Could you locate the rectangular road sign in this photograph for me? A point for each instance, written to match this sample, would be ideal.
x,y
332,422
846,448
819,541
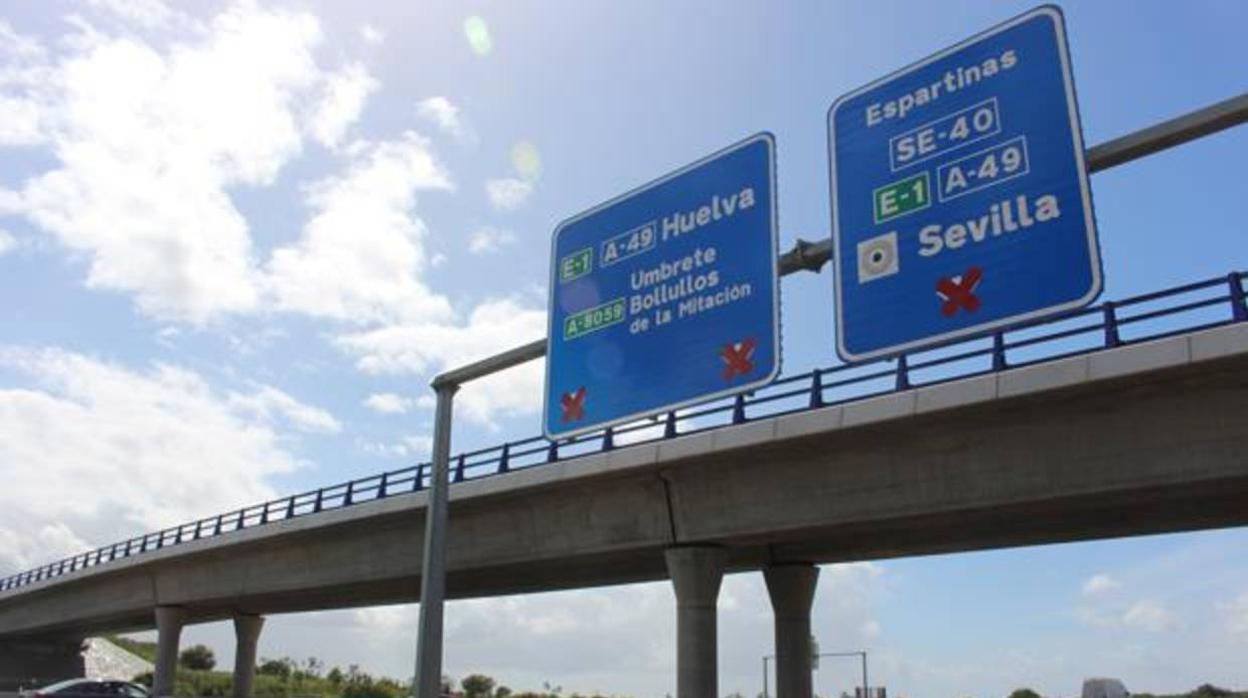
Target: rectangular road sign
x,y
960,199
666,296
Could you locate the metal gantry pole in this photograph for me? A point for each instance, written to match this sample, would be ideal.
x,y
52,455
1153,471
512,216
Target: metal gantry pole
x,y
433,571
765,658
866,687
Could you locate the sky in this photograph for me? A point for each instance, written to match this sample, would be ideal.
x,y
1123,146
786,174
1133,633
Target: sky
x,y
237,239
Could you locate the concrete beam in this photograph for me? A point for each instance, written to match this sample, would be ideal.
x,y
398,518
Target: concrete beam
x,y
792,591
1142,439
247,631
696,573
169,621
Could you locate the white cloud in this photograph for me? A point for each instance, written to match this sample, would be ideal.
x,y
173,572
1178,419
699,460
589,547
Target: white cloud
x,y
269,404
1144,614
1100,584
491,327
150,141
145,13
361,254
19,122
508,193
119,450
1237,614
488,239
372,35
441,112
406,447
341,103
7,242
1149,615
388,403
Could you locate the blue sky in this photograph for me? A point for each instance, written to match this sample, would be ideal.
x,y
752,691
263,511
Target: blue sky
x,y
239,238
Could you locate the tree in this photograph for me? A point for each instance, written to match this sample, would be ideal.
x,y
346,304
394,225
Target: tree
x,y
198,658
502,692
477,686
1024,693
280,668
1207,690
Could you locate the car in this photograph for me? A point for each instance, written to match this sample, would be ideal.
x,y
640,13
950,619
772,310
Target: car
x,y
91,688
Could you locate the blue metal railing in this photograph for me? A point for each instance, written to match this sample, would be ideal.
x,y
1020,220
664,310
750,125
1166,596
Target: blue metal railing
x,y
1182,309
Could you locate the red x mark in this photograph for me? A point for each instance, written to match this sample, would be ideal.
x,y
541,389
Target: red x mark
x,y
959,292
573,405
737,358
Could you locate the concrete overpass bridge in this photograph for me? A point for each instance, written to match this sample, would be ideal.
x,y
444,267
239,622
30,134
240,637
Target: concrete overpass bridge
x,y
1119,419
1122,419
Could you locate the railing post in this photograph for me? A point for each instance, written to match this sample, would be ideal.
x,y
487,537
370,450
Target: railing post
x,y
381,488
1239,311
1111,325
903,373
669,427
349,497
217,530
319,503
608,439
503,464
459,469
290,507
816,389
738,409
552,452
998,351
418,482
242,519
264,514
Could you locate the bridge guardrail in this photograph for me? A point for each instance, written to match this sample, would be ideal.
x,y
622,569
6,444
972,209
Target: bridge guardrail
x,y
1188,308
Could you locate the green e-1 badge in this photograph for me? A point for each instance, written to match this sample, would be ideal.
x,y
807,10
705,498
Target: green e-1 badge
x,y
901,197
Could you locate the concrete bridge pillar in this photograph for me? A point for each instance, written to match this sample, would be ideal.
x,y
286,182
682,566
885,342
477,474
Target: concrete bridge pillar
x,y
791,587
247,630
169,621
696,573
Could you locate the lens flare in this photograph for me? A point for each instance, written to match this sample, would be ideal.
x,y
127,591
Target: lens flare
x,y
478,35
527,162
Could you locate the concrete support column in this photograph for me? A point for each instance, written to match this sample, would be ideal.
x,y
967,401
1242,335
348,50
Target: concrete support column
x,y
792,591
696,574
247,630
169,620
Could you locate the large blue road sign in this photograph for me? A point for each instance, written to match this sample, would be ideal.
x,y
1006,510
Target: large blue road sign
x,y
960,196
666,296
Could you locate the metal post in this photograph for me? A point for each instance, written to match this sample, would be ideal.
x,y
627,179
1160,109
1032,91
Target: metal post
x,y
433,572
765,658
866,687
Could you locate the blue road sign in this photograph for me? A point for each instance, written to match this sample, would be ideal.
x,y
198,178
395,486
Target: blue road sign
x,y
960,199
666,296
